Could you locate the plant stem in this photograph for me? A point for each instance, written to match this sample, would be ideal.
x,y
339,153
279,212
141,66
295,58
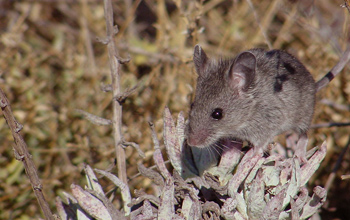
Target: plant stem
x,y
117,107
22,154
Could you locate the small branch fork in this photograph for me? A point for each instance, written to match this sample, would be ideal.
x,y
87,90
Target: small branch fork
x,y
21,153
346,5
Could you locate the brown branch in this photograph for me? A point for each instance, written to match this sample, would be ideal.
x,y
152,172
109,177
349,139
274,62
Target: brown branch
x,y
346,5
124,95
115,73
22,154
134,145
331,124
335,105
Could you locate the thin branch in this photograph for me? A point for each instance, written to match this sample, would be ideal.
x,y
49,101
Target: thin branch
x,y
331,124
151,167
115,73
267,41
22,154
136,146
94,119
157,155
124,95
345,177
346,5
154,58
106,87
335,105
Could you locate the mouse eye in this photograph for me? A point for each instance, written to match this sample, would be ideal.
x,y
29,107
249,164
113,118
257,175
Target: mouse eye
x,y
217,114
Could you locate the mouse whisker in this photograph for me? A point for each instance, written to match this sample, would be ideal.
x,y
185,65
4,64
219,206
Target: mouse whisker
x,y
209,150
235,141
219,148
215,148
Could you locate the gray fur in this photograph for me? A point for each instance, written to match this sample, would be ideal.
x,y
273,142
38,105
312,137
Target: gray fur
x,y
278,95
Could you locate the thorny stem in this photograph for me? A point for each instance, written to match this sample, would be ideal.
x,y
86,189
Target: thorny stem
x,y
117,107
22,154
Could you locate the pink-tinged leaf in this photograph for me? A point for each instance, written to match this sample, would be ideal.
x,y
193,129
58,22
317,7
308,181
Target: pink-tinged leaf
x,y
166,209
191,208
186,207
300,150
92,180
238,216
255,199
90,203
294,182
242,172
228,161
171,140
294,210
270,175
241,205
313,163
157,155
124,188
229,208
180,129
255,169
147,210
60,208
82,215
302,198
274,206
94,119
286,170
314,203
274,158
69,198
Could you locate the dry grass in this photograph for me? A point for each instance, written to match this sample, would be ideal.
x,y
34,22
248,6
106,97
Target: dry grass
x,y
51,64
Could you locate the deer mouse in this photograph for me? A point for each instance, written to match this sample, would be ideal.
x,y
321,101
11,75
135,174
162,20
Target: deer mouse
x,y
252,97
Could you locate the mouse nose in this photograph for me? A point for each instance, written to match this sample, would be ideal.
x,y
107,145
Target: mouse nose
x,y
198,138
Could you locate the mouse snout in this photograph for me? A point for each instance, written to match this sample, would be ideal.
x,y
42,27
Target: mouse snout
x,y
197,139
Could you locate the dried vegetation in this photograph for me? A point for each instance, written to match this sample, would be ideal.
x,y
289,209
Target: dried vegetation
x,y
52,64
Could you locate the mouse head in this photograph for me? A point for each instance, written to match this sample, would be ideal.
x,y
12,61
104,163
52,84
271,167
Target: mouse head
x,y
223,98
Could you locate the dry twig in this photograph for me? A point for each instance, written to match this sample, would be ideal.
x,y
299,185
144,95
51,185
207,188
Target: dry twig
x,y
346,5
22,154
262,29
331,124
115,73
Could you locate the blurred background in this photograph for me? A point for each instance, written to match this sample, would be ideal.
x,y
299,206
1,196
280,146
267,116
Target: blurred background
x,y
51,64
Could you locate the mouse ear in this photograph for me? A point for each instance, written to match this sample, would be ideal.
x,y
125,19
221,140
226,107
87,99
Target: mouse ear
x,y
200,59
242,72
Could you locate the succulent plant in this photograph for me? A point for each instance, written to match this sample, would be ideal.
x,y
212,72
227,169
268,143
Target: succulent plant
x,y
205,185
